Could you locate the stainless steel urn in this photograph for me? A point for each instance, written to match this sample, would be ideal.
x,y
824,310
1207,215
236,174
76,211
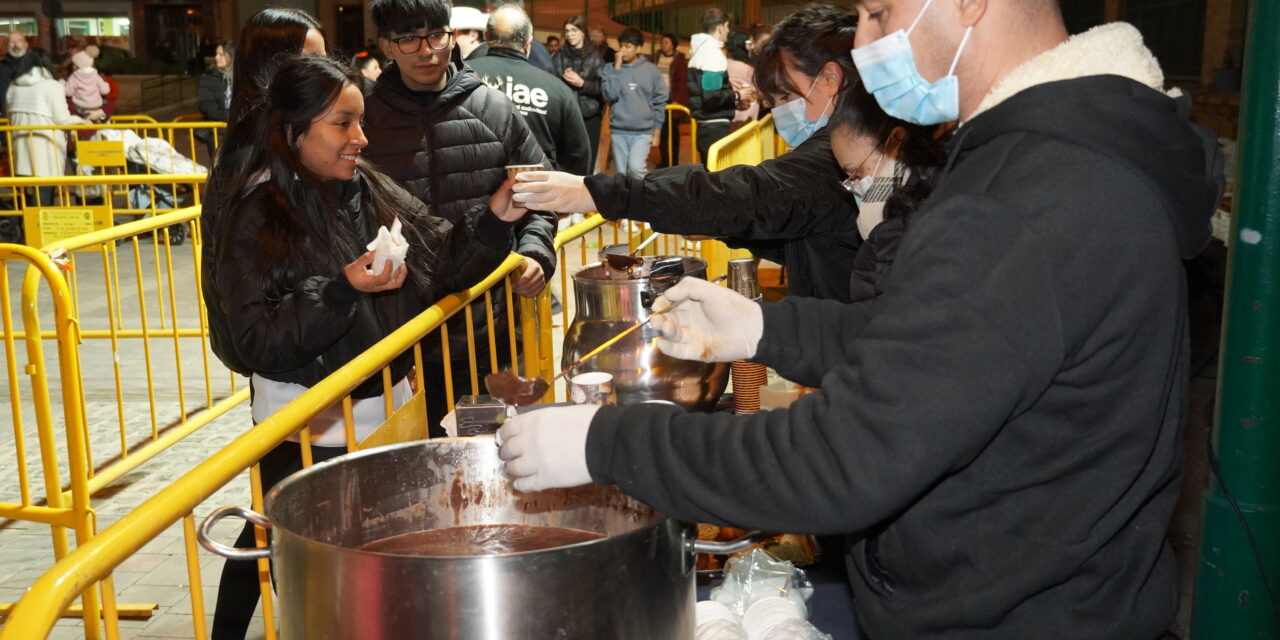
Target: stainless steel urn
x,y
604,307
635,583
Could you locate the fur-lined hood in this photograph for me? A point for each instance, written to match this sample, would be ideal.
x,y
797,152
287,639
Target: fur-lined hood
x,y
1110,49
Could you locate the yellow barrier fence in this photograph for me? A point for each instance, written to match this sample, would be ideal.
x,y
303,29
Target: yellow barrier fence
x,y
132,343
752,144
127,146
94,559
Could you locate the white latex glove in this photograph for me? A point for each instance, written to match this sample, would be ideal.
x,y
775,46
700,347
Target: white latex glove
x,y
388,246
547,448
711,323
553,191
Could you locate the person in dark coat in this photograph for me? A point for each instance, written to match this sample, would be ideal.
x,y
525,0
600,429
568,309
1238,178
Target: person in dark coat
x,y
601,42
674,67
1000,430
293,286
548,105
213,97
712,97
16,49
447,138
578,64
539,55
791,209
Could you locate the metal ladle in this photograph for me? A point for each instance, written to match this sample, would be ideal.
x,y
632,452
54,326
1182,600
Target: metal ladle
x,y
625,261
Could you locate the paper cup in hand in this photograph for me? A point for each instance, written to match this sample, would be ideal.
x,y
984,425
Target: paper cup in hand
x,y
595,387
514,170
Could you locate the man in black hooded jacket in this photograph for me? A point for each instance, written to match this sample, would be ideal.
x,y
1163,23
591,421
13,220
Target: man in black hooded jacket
x,y
446,137
549,107
1000,430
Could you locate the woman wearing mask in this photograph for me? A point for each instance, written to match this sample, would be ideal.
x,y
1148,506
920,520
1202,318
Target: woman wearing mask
x,y
578,63
214,97
892,167
296,289
674,65
792,209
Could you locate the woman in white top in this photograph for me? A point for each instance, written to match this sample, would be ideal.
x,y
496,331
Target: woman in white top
x,y
36,98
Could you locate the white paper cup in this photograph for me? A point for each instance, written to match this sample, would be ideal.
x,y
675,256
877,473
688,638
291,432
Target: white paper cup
x,y
514,170
708,610
720,630
764,614
593,387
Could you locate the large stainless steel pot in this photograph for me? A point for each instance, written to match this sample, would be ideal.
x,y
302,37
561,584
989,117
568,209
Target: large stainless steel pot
x,y
604,307
636,583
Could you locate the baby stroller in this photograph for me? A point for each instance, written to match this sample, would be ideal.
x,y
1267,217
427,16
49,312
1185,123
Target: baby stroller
x,y
152,156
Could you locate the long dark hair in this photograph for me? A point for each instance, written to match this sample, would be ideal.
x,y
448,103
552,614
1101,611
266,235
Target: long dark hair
x,y
267,34
735,47
809,38
858,114
581,23
303,219
34,58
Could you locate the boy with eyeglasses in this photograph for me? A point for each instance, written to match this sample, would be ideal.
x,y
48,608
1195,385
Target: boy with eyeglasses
x,y
447,137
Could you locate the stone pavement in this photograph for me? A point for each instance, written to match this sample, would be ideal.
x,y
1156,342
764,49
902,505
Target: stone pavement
x,y
157,573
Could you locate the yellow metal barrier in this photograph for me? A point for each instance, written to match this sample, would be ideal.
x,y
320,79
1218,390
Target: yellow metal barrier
x,y
673,130
94,558
751,144
160,164
125,338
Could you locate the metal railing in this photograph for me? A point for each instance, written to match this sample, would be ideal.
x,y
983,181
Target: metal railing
x,y
145,336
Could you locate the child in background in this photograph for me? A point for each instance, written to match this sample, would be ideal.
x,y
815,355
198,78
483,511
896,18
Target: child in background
x,y
86,88
638,98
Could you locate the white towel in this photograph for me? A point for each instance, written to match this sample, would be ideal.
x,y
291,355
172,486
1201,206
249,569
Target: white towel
x,y
388,245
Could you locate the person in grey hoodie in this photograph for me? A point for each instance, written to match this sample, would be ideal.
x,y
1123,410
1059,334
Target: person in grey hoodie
x,y
634,88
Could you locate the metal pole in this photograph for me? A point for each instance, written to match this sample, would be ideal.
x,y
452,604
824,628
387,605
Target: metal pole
x,y
1232,600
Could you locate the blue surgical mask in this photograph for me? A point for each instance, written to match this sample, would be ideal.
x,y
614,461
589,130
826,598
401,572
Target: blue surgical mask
x,y
790,121
888,70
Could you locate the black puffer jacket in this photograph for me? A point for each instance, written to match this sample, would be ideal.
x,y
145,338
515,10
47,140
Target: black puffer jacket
x,y
319,323
709,104
212,96
449,150
586,62
791,210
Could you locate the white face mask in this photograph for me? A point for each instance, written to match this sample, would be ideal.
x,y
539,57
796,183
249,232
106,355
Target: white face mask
x,y
884,180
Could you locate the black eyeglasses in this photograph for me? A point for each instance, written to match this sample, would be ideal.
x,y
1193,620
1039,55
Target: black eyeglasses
x,y
437,40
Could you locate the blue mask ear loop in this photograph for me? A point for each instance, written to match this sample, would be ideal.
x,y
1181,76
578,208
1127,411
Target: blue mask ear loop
x,y
963,41
810,92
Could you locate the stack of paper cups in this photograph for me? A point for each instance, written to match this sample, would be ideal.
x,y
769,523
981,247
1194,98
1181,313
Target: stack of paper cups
x,y
747,378
765,614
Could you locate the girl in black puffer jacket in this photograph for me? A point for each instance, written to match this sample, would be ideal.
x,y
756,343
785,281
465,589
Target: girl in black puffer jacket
x,y
578,64
293,295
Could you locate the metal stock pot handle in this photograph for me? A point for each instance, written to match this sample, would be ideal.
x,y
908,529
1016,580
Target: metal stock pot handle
x,y
226,551
729,546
